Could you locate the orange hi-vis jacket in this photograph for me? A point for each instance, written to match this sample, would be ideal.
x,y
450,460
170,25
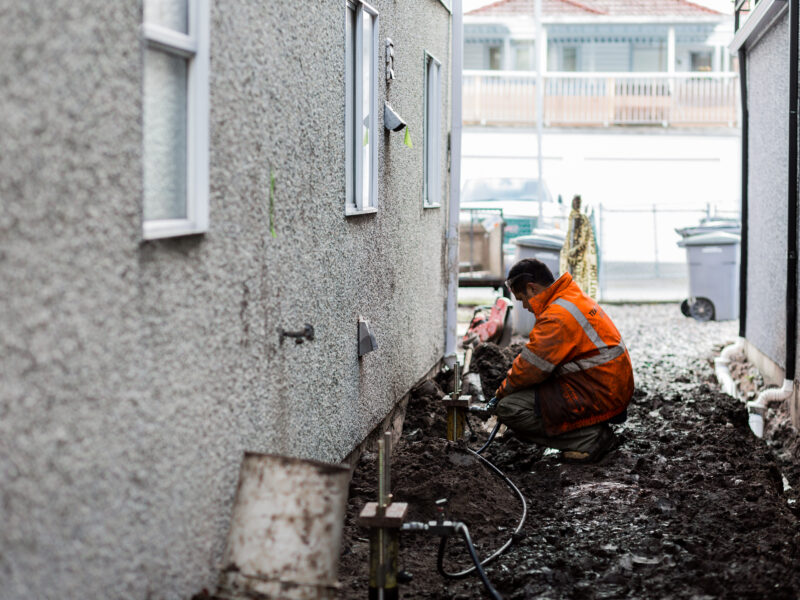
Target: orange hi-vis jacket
x,y
575,358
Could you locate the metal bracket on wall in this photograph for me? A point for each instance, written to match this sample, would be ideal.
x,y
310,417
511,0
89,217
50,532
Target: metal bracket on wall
x,y
307,333
389,44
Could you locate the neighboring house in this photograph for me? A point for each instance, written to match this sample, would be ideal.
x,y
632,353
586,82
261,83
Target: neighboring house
x,y
768,315
604,63
177,187
599,35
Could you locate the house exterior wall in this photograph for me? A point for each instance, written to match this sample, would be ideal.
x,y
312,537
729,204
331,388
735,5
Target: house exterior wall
x,y
768,90
135,374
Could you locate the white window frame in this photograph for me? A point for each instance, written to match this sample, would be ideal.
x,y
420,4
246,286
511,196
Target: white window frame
x,y
433,137
358,201
195,48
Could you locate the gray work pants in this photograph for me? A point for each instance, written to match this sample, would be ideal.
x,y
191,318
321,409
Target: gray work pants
x,y
517,411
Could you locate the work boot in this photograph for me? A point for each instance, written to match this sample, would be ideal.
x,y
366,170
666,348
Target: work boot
x,y
606,442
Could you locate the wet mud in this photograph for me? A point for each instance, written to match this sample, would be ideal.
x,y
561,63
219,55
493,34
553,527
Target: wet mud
x,y
691,505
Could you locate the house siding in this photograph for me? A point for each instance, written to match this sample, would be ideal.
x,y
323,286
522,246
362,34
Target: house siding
x,y
135,374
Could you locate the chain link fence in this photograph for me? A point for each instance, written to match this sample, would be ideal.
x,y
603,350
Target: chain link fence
x,y
640,259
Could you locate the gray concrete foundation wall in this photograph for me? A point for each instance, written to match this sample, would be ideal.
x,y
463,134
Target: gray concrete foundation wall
x,y
135,374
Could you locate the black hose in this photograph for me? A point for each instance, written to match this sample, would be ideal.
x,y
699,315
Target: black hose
x,y
486,561
490,440
478,567
473,436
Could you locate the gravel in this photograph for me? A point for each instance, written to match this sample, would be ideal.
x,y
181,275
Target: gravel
x,y
665,346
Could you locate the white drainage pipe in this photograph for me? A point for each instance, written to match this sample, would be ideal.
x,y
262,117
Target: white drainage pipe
x,y
286,530
758,407
722,370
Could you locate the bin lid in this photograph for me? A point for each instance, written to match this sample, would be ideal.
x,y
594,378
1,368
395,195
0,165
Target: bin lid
x,y
538,240
717,238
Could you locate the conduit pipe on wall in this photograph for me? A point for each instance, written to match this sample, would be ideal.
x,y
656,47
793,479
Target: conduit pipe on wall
x,y
743,246
758,408
455,183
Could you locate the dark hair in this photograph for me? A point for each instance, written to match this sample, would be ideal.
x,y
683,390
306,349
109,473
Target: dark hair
x,y
529,270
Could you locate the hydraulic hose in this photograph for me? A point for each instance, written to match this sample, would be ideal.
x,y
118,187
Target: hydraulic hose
x,y
478,566
486,561
490,440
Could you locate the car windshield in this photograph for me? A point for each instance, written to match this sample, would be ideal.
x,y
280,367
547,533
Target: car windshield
x,y
507,188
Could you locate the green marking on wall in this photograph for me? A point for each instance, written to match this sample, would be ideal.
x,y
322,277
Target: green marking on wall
x,y
272,203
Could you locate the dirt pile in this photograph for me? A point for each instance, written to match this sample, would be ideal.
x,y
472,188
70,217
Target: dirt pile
x,y
492,363
691,505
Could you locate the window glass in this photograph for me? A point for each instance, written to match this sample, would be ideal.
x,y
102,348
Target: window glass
x,y
495,58
350,70
165,98
173,14
432,186
360,108
523,57
701,61
569,58
649,59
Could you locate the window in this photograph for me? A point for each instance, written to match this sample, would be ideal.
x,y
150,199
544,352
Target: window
x,y
569,58
431,180
523,56
649,58
495,58
361,108
175,118
701,61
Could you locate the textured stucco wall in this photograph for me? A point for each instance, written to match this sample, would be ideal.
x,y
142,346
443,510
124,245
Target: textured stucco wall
x,y
768,102
136,373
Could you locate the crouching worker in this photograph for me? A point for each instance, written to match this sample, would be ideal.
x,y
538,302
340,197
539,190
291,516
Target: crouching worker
x,y
573,376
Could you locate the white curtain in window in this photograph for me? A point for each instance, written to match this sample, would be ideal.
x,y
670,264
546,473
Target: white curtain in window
x,y
172,14
433,190
366,105
165,121
165,118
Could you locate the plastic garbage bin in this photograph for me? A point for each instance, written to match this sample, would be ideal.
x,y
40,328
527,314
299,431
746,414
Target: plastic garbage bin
x,y
711,226
544,245
713,276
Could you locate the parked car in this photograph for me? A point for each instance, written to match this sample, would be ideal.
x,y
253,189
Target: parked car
x,y
518,197
516,201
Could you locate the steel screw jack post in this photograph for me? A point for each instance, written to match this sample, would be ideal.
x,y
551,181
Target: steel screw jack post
x,y
384,519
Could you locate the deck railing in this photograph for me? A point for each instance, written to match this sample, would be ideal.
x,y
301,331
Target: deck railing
x,y
602,99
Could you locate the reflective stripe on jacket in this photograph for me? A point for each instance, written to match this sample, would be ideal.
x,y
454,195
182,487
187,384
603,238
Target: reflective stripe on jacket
x,y
575,358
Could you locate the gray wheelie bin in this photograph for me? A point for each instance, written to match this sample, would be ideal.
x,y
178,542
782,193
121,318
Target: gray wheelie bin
x,y
713,276
546,246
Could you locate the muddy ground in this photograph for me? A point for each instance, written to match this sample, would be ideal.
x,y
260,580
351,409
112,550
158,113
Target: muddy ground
x,y
691,505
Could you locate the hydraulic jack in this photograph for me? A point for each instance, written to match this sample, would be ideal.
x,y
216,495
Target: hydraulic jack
x,y
384,519
457,408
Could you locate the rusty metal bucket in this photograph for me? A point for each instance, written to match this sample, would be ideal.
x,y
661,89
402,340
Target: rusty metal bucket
x,y
286,529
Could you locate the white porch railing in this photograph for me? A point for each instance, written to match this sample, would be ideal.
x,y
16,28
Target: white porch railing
x,y
602,99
